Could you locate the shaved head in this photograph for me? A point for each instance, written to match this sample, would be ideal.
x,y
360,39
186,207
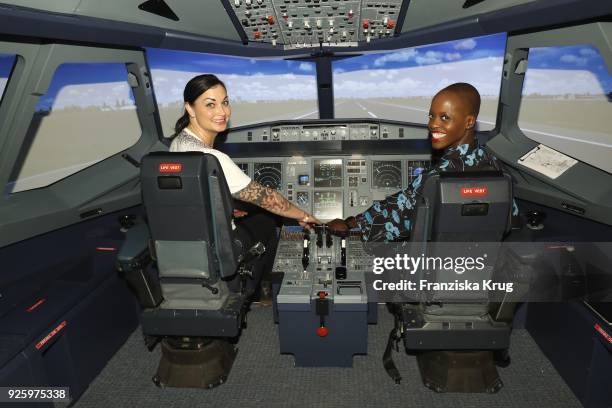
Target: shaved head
x,y
468,94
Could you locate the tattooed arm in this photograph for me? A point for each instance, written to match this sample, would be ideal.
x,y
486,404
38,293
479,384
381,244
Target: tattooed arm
x,y
273,201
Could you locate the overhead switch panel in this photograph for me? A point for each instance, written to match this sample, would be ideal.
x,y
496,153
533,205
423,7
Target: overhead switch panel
x,y
311,23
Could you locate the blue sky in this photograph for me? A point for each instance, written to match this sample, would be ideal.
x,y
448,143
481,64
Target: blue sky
x,y
460,50
224,65
6,64
574,57
83,74
579,57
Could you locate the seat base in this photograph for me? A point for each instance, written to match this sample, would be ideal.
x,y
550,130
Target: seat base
x,y
459,371
194,362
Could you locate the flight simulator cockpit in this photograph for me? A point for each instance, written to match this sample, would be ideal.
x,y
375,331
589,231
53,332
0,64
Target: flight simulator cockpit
x,y
415,190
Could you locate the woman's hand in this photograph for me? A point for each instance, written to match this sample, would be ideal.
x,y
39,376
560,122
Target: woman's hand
x,y
338,227
308,221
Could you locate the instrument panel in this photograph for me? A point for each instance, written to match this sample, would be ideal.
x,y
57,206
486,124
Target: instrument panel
x,y
325,132
336,186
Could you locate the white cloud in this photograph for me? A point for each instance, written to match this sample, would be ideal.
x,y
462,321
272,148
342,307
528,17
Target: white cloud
x,y
588,52
338,71
452,56
420,80
251,88
560,82
573,59
85,95
430,57
468,44
400,56
306,66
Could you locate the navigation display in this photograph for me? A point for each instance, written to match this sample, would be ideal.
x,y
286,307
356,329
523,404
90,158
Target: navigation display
x,y
328,172
327,205
387,174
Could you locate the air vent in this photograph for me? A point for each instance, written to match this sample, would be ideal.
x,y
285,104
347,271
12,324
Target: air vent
x,y
160,8
470,3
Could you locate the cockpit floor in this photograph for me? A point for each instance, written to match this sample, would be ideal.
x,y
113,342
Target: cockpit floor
x,y
263,378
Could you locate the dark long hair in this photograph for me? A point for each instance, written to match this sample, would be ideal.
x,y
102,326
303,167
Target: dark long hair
x,y
194,88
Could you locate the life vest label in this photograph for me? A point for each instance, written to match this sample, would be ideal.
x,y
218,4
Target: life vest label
x,y
170,167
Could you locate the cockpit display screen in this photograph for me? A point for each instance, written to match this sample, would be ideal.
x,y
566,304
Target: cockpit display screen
x,y
327,205
328,172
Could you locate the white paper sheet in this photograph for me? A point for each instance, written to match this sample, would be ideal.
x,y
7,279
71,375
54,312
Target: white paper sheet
x,y
547,161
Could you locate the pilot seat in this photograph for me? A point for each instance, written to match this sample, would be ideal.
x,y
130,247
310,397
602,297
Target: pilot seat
x,y
458,336
197,317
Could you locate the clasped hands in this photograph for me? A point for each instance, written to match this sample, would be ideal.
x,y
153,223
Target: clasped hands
x,y
342,227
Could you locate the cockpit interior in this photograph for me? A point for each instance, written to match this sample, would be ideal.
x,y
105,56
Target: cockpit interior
x,y
128,276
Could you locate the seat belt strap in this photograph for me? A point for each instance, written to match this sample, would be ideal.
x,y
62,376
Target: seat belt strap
x,y
388,363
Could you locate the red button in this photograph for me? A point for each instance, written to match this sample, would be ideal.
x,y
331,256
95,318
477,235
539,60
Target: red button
x,y
257,35
271,19
366,23
322,294
322,331
390,24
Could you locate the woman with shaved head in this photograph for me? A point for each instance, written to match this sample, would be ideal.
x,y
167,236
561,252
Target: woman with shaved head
x,y
452,122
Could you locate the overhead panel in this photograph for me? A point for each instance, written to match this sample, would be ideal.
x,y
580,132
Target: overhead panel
x,y
427,13
311,23
203,17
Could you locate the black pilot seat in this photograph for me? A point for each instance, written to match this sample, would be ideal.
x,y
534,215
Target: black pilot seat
x,y
192,312
458,336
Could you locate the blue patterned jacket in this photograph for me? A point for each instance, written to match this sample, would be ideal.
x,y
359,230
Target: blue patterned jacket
x,y
392,218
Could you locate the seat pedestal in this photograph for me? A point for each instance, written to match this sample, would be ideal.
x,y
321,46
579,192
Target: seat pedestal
x,y
459,371
194,362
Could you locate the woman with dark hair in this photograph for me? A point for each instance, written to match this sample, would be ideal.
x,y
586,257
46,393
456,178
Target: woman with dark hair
x,y
207,113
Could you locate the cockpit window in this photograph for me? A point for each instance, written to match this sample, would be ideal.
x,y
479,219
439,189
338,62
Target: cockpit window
x,y
87,115
6,66
567,102
258,90
399,85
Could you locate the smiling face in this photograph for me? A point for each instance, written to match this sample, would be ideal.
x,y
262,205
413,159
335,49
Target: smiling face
x,y
210,112
450,121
